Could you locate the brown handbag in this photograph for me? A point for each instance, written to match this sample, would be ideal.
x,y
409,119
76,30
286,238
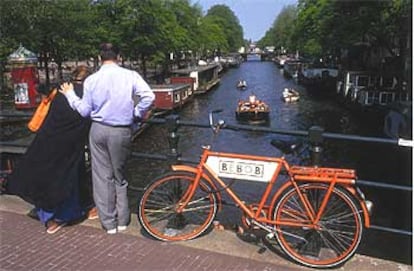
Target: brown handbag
x,y
41,112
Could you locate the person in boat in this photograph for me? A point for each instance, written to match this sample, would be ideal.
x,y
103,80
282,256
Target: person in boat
x,y
255,103
52,175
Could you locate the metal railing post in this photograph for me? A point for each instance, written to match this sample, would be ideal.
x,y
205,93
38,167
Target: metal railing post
x,y
316,140
173,137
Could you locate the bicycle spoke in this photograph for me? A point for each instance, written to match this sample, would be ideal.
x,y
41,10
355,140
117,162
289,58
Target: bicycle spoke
x,y
159,218
333,239
158,210
295,210
330,245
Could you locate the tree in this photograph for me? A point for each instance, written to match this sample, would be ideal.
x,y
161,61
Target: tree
x,y
149,29
361,27
280,34
54,29
212,37
224,17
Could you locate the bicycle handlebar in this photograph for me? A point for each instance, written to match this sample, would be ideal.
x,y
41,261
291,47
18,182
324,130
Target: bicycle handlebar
x,y
220,123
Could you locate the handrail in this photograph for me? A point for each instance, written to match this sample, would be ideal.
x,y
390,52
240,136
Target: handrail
x,y
327,135
316,136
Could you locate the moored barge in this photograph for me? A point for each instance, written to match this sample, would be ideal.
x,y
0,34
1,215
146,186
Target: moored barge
x,y
205,77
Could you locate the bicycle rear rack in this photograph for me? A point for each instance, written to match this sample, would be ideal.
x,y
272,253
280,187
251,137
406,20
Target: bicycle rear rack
x,y
323,172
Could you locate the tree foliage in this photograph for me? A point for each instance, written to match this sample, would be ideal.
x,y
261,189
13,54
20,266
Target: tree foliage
x,y
280,33
224,17
361,28
145,30
149,30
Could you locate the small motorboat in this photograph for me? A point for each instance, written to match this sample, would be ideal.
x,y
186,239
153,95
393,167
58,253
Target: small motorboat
x,y
290,95
242,84
252,110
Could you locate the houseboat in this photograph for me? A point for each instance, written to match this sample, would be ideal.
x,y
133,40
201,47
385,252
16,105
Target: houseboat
x,y
292,68
280,60
252,111
205,77
318,79
369,89
169,97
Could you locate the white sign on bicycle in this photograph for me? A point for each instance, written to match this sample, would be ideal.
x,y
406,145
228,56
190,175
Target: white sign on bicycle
x,y
242,169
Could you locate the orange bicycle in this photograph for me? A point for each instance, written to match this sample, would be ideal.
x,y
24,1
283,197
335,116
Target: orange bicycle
x,y
316,216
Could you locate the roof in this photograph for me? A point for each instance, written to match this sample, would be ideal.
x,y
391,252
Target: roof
x,y
22,55
197,68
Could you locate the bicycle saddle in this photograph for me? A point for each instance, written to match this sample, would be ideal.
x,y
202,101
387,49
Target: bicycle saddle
x,y
287,147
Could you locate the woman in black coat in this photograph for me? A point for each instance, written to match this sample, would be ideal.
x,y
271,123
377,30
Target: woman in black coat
x,y
52,172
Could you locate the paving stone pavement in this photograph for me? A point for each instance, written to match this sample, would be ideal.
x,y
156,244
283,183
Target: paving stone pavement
x,y
25,245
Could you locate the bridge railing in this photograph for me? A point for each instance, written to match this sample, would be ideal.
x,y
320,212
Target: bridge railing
x,y
315,135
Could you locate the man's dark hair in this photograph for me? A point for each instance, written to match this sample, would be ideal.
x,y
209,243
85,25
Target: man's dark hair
x,y
108,51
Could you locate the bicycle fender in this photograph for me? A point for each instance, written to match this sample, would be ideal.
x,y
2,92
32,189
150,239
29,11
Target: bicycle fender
x,y
205,176
353,191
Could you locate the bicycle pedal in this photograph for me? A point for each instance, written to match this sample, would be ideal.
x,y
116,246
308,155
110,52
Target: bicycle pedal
x,y
262,250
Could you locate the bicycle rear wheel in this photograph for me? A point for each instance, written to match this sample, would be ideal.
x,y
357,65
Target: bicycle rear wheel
x,y
339,232
158,208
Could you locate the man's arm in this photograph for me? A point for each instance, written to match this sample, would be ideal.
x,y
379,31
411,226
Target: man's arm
x,y
146,97
76,103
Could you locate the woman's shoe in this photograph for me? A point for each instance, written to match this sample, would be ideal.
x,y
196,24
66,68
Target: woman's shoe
x,y
53,226
93,213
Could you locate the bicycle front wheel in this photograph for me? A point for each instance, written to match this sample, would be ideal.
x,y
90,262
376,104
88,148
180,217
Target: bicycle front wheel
x,y
158,208
339,230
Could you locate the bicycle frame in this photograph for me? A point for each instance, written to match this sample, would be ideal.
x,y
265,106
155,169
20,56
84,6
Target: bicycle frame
x,y
315,214
267,169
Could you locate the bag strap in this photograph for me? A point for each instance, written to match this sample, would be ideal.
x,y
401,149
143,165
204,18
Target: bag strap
x,y
52,95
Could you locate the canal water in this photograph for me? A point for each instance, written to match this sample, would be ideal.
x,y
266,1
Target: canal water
x,y
373,161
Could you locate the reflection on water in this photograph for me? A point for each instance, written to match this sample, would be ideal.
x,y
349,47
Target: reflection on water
x,y
372,161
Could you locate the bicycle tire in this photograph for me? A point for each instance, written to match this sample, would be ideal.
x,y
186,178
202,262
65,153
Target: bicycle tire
x,y
157,208
340,230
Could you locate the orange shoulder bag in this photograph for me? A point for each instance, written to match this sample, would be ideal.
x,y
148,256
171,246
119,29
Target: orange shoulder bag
x,y
41,112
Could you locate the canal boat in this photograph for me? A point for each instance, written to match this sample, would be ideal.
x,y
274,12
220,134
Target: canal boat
x,y
292,68
289,95
205,77
242,84
252,110
281,60
169,97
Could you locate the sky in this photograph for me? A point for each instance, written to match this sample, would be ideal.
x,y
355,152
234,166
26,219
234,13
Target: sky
x,y
255,16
